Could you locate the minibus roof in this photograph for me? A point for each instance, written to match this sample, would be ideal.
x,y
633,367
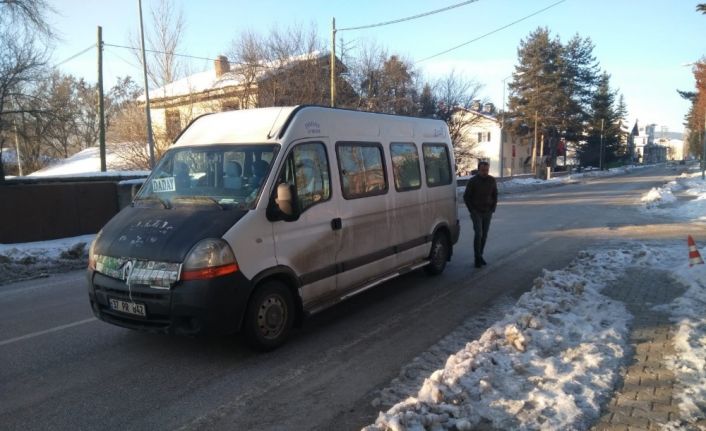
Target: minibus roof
x,y
268,125
241,126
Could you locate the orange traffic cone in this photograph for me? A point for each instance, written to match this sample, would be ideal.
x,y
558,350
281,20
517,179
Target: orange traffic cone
x,y
694,255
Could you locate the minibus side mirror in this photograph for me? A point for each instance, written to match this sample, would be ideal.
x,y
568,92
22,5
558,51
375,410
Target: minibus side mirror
x,y
284,206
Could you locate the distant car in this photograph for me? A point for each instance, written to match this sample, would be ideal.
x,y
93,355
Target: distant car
x,y
682,162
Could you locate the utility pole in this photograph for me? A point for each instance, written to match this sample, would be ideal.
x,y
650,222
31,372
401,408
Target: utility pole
x,y
101,113
534,147
600,161
150,140
333,62
17,148
703,153
502,134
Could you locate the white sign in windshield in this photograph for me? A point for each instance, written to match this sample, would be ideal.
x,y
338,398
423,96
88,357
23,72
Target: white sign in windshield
x,y
161,185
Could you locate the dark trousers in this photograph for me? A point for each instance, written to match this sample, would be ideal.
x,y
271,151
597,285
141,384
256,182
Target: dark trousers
x,y
481,226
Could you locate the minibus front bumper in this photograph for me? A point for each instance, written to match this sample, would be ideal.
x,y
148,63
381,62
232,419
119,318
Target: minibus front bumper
x,y
187,308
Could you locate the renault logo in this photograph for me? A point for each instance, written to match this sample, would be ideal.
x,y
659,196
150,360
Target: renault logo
x,y
127,270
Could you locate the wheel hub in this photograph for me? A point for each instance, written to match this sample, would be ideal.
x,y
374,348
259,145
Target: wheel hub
x,y
272,316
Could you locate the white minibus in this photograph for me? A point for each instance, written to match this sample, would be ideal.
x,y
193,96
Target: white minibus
x,y
256,218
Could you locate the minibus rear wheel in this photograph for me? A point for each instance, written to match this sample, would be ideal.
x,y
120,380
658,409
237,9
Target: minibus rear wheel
x,y
439,254
269,316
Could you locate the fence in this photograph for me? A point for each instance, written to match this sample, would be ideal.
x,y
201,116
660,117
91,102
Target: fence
x,y
38,210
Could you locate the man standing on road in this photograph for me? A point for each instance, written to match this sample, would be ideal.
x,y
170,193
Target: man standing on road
x,y
481,198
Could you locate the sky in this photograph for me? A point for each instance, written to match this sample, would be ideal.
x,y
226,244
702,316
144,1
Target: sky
x,y
643,45
549,359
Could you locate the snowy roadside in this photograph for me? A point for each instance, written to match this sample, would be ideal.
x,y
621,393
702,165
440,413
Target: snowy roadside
x,y
548,364
39,259
555,357
524,184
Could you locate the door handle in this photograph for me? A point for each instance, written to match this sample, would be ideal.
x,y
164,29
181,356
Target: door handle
x,y
336,223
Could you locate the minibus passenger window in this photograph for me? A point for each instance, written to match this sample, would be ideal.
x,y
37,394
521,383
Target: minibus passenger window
x,y
437,164
405,166
362,169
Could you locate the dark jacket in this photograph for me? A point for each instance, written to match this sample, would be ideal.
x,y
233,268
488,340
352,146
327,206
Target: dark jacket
x,y
481,194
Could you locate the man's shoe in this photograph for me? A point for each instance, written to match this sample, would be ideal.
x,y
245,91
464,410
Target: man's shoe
x,y
483,262
478,263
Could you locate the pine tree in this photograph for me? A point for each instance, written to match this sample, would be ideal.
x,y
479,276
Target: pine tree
x,y
580,75
553,86
603,144
427,103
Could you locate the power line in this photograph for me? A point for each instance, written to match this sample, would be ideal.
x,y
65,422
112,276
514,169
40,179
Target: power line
x,y
75,55
130,63
489,33
161,52
409,17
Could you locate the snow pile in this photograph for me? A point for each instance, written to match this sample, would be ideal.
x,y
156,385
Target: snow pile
x,y
689,188
689,314
37,259
659,195
548,364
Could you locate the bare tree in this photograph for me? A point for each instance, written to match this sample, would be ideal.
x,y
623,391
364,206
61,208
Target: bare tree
x,y
24,39
365,73
455,95
248,58
126,125
163,38
287,67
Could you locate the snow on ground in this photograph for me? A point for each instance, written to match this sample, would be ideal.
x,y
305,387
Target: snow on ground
x,y
38,259
690,187
555,357
550,362
525,183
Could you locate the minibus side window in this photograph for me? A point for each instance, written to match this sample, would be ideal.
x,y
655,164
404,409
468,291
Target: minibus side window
x,y
405,166
307,169
362,169
437,164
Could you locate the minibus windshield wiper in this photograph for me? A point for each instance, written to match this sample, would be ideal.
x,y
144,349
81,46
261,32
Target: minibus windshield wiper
x,y
163,202
199,200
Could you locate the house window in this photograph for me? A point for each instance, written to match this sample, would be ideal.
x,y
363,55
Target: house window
x,y
488,136
480,137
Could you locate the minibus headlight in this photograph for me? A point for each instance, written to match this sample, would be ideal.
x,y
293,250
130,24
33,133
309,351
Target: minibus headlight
x,y
209,258
92,253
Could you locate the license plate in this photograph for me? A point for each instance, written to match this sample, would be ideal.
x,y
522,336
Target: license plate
x,y
128,307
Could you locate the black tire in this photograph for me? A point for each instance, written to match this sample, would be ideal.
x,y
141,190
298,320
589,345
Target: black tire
x,y
269,316
439,254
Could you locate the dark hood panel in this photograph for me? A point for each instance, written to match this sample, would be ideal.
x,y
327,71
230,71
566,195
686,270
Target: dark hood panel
x,y
160,234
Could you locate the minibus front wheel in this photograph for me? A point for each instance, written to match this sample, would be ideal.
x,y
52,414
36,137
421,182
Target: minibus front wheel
x,y
269,316
439,255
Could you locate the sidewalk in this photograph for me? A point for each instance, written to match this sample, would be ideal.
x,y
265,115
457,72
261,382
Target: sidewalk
x,y
644,400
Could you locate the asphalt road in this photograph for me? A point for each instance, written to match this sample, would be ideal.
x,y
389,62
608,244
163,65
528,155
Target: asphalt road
x,y
62,369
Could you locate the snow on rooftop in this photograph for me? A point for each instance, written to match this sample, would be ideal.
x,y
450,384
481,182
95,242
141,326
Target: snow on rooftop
x,y
86,163
208,80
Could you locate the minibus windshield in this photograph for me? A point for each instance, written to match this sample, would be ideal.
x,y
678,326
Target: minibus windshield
x,y
217,176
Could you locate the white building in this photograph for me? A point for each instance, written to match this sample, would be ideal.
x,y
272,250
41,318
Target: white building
x,y
483,138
